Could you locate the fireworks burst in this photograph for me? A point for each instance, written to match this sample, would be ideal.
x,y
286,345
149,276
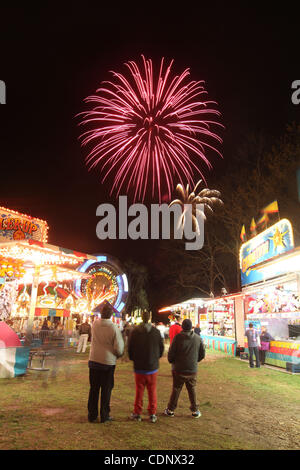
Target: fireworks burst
x,y
208,197
146,131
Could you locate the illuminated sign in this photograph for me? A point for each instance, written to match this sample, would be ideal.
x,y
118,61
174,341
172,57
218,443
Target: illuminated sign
x,y
270,243
16,226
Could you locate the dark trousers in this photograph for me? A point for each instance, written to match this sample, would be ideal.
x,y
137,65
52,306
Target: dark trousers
x,y
190,382
103,379
262,356
254,351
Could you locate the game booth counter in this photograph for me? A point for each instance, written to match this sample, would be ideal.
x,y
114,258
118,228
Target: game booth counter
x,y
270,275
215,317
219,323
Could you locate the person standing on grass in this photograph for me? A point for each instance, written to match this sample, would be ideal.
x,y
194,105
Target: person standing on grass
x,y
265,339
145,348
175,328
197,329
44,333
161,328
84,335
186,350
106,346
253,344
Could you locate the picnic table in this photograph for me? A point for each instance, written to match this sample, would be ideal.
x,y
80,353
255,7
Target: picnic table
x,y
41,355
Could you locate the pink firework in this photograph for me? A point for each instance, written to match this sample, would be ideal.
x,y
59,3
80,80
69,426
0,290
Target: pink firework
x,y
146,131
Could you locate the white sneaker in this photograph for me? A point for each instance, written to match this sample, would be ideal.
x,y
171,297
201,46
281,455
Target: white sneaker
x,y
169,412
153,418
196,414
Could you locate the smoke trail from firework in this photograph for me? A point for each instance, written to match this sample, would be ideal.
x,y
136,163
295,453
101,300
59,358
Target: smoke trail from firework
x,y
144,131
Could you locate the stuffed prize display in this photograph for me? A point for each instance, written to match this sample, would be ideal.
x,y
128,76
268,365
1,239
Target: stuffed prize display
x,y
13,356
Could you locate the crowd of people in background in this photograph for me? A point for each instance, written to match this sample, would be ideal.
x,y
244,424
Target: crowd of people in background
x,y
41,327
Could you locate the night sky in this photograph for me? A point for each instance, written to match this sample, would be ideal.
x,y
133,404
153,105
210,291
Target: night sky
x,y
52,58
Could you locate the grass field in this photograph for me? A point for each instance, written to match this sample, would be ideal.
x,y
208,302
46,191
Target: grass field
x,y
242,408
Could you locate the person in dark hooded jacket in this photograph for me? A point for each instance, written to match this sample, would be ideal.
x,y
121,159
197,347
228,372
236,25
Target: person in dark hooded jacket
x,y
145,347
186,350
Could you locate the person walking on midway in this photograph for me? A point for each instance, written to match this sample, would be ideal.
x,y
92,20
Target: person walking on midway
x,y
145,347
175,328
253,343
186,350
106,346
84,334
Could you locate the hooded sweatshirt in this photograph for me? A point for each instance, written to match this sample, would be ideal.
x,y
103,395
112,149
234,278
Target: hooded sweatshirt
x,y
107,343
186,350
145,347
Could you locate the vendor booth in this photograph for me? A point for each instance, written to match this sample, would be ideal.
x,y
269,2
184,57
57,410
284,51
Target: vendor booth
x,y
219,331
270,274
190,309
216,318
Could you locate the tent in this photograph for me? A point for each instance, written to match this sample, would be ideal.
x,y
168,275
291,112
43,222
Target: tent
x,y
13,356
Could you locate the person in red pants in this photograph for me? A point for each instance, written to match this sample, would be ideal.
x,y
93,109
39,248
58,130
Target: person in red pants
x,y
175,328
145,347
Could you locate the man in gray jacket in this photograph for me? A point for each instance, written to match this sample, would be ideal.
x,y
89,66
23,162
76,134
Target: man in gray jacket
x,y
186,350
106,346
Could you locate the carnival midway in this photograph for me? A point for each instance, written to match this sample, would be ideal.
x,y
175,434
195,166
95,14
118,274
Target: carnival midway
x,y
48,291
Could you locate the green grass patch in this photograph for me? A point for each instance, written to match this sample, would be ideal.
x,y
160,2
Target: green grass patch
x,y
43,410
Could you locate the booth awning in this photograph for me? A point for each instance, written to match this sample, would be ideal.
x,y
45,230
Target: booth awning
x,y
34,253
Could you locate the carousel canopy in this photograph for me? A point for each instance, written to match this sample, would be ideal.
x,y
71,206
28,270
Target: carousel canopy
x,y
35,253
52,273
